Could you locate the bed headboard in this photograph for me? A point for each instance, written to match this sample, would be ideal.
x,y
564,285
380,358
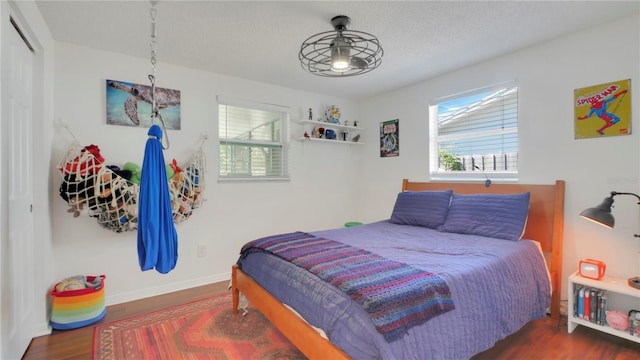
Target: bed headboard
x,y
544,224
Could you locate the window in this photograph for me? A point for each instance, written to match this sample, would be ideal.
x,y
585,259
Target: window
x,y
252,141
475,132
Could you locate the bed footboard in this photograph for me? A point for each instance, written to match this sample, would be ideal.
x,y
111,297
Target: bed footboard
x,y
298,331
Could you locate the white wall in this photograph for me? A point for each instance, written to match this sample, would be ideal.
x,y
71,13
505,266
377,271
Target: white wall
x,y
320,194
547,75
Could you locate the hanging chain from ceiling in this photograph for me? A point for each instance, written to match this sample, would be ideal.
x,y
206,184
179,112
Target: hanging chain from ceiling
x,y
154,50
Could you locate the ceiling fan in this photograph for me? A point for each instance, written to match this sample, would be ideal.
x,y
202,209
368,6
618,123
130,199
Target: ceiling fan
x,y
341,52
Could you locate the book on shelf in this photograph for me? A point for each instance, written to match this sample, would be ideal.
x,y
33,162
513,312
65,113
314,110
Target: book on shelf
x,y
602,305
576,289
587,303
593,308
590,304
580,302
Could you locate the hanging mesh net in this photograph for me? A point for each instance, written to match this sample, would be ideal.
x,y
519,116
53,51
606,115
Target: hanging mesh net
x,y
110,193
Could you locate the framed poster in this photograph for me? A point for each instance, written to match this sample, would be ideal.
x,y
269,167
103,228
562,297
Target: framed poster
x,y
603,110
129,104
389,138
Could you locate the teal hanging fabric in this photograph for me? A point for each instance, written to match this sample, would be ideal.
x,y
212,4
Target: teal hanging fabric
x,y
157,236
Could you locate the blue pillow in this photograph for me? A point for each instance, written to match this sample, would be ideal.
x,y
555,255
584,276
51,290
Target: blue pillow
x,y
421,208
501,216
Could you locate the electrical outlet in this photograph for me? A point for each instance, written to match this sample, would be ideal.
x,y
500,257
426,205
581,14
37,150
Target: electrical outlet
x,y
202,250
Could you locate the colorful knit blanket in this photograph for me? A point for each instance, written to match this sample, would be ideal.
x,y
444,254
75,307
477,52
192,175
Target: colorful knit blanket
x,y
395,295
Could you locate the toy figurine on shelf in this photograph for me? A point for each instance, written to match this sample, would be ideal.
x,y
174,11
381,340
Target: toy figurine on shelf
x,y
346,123
332,114
355,123
306,135
344,135
310,114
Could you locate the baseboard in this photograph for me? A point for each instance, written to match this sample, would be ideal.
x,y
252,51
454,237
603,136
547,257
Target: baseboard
x,y
563,307
165,289
42,330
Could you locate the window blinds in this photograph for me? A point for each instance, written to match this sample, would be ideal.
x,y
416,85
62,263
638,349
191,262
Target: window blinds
x,y
480,130
252,142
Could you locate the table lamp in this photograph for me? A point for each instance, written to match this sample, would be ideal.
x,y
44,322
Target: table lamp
x,y
601,214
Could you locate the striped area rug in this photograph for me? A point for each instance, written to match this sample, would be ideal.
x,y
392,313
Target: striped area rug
x,y
204,329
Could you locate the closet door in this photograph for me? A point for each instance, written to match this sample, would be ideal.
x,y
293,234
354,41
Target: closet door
x,y
17,259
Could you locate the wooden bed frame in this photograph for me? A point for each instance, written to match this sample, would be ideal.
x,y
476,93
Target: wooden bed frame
x,y
544,224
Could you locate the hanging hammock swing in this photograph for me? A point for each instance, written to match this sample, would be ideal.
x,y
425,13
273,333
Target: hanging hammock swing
x,y
163,196
110,193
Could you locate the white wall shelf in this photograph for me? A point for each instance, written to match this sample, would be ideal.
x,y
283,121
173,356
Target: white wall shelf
x,y
308,125
329,125
615,287
336,141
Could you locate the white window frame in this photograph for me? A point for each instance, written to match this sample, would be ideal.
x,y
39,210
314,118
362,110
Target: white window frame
x,y
283,143
434,142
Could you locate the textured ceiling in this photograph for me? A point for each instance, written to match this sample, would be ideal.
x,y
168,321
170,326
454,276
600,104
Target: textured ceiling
x,y
260,40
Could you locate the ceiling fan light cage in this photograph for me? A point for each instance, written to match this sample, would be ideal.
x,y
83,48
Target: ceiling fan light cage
x,y
316,53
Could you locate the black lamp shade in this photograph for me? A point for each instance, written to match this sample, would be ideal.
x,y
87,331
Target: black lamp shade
x,y
601,214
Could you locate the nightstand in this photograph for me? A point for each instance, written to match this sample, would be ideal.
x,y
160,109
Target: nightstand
x,y
620,296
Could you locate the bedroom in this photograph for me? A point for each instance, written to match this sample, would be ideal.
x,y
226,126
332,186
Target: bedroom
x,y
323,176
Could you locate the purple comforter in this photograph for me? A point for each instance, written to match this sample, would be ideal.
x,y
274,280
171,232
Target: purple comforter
x,y
496,285
395,295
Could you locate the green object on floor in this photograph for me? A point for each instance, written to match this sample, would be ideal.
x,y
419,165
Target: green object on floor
x,y
352,223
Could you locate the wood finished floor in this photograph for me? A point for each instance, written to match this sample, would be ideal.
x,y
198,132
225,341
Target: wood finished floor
x,y
541,339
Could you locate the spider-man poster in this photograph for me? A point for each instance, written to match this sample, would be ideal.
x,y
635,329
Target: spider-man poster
x,y
603,110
